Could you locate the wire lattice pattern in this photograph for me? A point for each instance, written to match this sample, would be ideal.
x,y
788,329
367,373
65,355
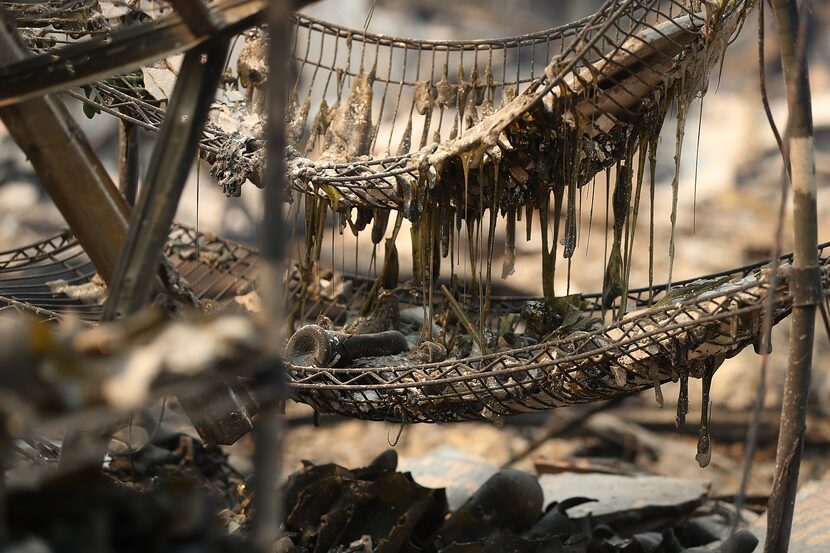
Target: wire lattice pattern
x,y
645,349
412,95
370,113
654,344
217,270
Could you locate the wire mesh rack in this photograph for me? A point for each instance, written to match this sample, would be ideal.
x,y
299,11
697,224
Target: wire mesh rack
x,y
666,336
372,115
380,106
54,278
652,345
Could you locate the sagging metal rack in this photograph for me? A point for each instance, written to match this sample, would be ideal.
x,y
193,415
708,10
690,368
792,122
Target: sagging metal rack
x,y
397,138
669,336
378,123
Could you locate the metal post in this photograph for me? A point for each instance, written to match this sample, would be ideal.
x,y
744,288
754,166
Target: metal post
x,y
805,280
266,524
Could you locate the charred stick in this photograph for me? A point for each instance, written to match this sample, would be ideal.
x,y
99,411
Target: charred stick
x,y
805,281
458,311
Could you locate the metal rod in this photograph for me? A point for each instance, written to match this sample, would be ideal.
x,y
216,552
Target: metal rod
x,y
266,522
128,161
196,15
67,167
170,164
805,279
118,52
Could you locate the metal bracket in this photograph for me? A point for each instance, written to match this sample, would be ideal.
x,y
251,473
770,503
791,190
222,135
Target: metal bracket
x,y
806,287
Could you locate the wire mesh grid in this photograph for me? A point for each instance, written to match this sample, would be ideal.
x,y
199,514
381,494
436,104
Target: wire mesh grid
x,y
407,96
385,111
652,345
665,337
54,279
367,110
26,272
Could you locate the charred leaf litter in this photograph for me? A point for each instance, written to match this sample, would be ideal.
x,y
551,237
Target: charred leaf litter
x,y
377,509
169,495
176,496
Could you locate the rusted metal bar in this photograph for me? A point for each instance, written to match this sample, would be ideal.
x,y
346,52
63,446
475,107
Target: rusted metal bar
x,y
68,168
805,282
128,161
265,528
196,15
169,166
